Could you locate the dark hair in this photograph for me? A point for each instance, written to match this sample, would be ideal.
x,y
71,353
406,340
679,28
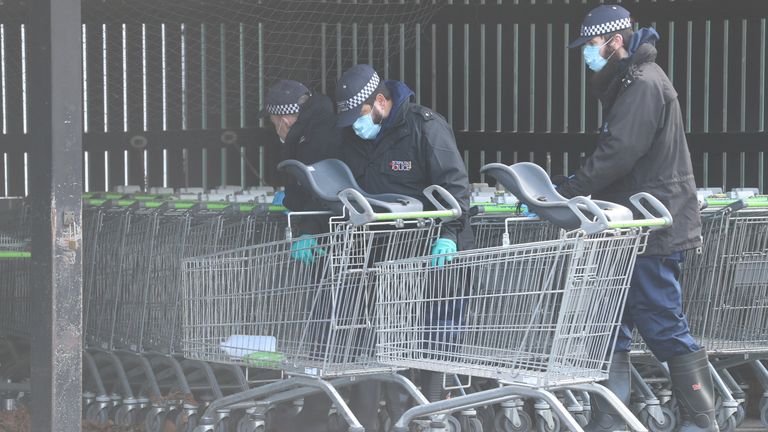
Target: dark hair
x,y
380,90
626,36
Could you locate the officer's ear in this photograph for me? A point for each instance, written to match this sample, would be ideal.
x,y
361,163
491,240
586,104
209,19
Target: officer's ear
x,y
617,42
381,100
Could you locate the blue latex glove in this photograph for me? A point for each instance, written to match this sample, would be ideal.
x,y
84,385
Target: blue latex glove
x,y
443,246
305,250
278,198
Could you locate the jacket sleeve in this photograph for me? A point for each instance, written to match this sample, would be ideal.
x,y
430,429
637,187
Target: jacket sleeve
x,y
627,136
323,143
445,168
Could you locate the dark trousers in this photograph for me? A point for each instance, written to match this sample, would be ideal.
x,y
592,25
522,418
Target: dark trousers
x,y
654,306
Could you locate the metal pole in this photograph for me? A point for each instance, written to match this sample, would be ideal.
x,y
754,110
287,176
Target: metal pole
x,y
55,106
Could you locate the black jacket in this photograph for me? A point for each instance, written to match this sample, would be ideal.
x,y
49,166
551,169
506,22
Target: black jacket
x,y
642,148
312,138
415,148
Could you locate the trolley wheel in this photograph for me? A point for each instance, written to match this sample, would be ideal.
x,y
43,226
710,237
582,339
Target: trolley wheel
x,y
729,425
741,414
764,411
581,419
186,422
542,426
502,423
452,424
154,421
222,425
487,416
98,414
470,424
250,425
127,416
669,424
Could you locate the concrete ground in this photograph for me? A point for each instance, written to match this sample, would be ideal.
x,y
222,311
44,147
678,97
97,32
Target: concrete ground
x,y
752,425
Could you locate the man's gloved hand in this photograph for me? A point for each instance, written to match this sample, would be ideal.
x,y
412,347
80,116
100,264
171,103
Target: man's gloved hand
x,y
305,250
443,246
278,198
559,180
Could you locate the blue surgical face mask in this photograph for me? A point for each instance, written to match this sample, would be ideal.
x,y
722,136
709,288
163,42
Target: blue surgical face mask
x,y
592,56
365,128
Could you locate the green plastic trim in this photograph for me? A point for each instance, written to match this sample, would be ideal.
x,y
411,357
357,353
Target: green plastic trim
x,y
217,205
504,208
264,359
95,202
640,223
150,197
752,203
380,217
15,254
183,205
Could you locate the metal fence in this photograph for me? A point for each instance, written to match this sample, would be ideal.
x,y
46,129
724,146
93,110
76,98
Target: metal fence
x,y
171,92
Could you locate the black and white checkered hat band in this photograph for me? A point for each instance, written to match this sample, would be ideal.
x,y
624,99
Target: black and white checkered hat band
x,y
283,109
604,28
361,96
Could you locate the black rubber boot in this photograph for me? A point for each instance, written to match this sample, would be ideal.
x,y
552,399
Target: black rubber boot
x,y
692,384
604,416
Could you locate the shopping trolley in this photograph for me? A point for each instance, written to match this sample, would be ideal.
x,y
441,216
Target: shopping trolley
x,y
15,313
724,287
505,224
725,298
536,317
133,259
15,272
496,225
310,318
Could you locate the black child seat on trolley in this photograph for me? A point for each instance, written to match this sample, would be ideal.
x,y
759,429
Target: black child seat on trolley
x,y
531,185
325,179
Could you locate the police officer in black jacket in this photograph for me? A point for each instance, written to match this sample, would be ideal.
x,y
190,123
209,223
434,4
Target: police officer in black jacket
x,y
395,146
304,123
642,148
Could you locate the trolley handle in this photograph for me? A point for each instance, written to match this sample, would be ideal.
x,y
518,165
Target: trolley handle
x,y
455,209
601,222
735,206
361,212
665,217
589,226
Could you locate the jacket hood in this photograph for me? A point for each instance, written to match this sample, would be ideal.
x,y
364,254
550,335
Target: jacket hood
x,y
400,94
645,35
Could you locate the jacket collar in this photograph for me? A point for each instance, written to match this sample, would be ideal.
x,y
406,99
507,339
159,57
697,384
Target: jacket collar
x,y
394,126
316,109
607,84
401,95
